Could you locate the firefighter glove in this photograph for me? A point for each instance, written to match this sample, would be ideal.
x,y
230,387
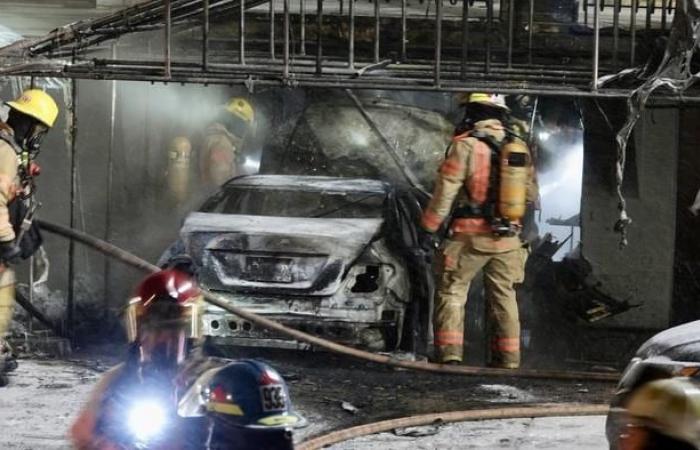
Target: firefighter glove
x,y
10,252
429,242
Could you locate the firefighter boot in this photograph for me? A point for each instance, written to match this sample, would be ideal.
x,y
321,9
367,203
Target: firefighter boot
x,y
8,359
8,363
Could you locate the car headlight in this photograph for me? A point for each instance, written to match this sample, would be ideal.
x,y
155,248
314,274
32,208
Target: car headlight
x,y
146,420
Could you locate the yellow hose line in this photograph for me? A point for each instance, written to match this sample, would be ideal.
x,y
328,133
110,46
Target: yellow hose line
x,y
225,304
539,410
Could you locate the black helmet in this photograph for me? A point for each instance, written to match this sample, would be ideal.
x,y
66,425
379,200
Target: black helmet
x,y
250,393
249,408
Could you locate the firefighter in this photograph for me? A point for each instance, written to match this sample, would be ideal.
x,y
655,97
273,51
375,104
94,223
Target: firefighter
x,y
159,321
29,119
167,361
663,415
249,408
482,187
223,142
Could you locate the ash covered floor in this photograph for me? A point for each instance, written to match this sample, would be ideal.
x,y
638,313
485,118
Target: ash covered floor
x,y
38,405
332,392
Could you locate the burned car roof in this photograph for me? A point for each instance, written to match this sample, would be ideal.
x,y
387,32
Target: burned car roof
x,y
314,183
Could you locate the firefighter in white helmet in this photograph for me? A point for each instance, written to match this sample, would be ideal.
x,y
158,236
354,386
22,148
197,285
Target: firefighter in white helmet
x,y
663,415
29,119
481,190
223,142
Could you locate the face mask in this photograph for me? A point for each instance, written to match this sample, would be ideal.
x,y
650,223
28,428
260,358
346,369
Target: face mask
x,y
33,142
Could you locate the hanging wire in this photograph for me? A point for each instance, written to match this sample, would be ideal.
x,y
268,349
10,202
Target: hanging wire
x,y
673,73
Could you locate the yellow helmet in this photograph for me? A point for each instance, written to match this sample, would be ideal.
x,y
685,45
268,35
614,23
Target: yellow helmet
x,y
670,406
37,104
497,100
241,108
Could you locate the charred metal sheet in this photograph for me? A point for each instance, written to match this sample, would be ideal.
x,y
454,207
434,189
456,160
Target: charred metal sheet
x,y
332,137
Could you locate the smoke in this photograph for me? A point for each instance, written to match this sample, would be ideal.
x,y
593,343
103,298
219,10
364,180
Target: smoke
x,y
560,187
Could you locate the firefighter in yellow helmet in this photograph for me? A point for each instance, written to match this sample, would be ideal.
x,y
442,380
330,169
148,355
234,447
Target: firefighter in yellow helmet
x,y
482,189
29,119
663,415
223,141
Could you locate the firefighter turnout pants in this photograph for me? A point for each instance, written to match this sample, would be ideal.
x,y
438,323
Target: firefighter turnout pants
x,y
458,263
7,299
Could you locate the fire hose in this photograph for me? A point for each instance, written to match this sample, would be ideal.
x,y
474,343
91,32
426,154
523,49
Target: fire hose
x,y
221,302
539,410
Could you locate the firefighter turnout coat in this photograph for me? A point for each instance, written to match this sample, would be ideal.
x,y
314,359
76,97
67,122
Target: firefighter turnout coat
x,y
463,179
219,154
9,186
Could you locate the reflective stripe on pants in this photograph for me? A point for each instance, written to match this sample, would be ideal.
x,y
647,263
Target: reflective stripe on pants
x,y
458,265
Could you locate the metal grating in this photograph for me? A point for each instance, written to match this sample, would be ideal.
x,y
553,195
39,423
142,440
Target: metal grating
x,y
439,45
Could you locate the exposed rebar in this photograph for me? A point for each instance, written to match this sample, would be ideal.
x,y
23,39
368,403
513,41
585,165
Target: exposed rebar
x,y
168,38
271,17
438,40
465,39
511,25
617,4
530,29
110,181
489,31
319,40
73,134
633,30
404,38
351,34
285,74
596,42
205,34
302,28
241,32
377,35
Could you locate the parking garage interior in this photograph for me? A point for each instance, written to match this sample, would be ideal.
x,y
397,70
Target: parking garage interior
x,y
366,89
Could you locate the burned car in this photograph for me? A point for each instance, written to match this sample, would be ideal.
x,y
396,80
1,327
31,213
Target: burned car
x,y
335,257
672,353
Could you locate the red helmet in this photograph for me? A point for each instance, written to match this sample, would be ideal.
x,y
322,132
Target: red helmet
x,y
168,299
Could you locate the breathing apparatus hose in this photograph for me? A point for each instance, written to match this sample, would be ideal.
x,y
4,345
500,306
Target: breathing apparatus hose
x,y
221,302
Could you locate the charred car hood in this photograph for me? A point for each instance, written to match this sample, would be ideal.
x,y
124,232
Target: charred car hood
x,y
269,255
681,343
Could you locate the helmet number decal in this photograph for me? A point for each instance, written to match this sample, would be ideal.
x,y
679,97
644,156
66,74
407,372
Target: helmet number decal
x,y
274,398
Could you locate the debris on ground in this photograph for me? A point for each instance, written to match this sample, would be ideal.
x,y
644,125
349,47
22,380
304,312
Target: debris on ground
x,y
511,393
349,407
426,430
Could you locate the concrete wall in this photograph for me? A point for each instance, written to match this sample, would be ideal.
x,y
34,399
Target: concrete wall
x,y
642,272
